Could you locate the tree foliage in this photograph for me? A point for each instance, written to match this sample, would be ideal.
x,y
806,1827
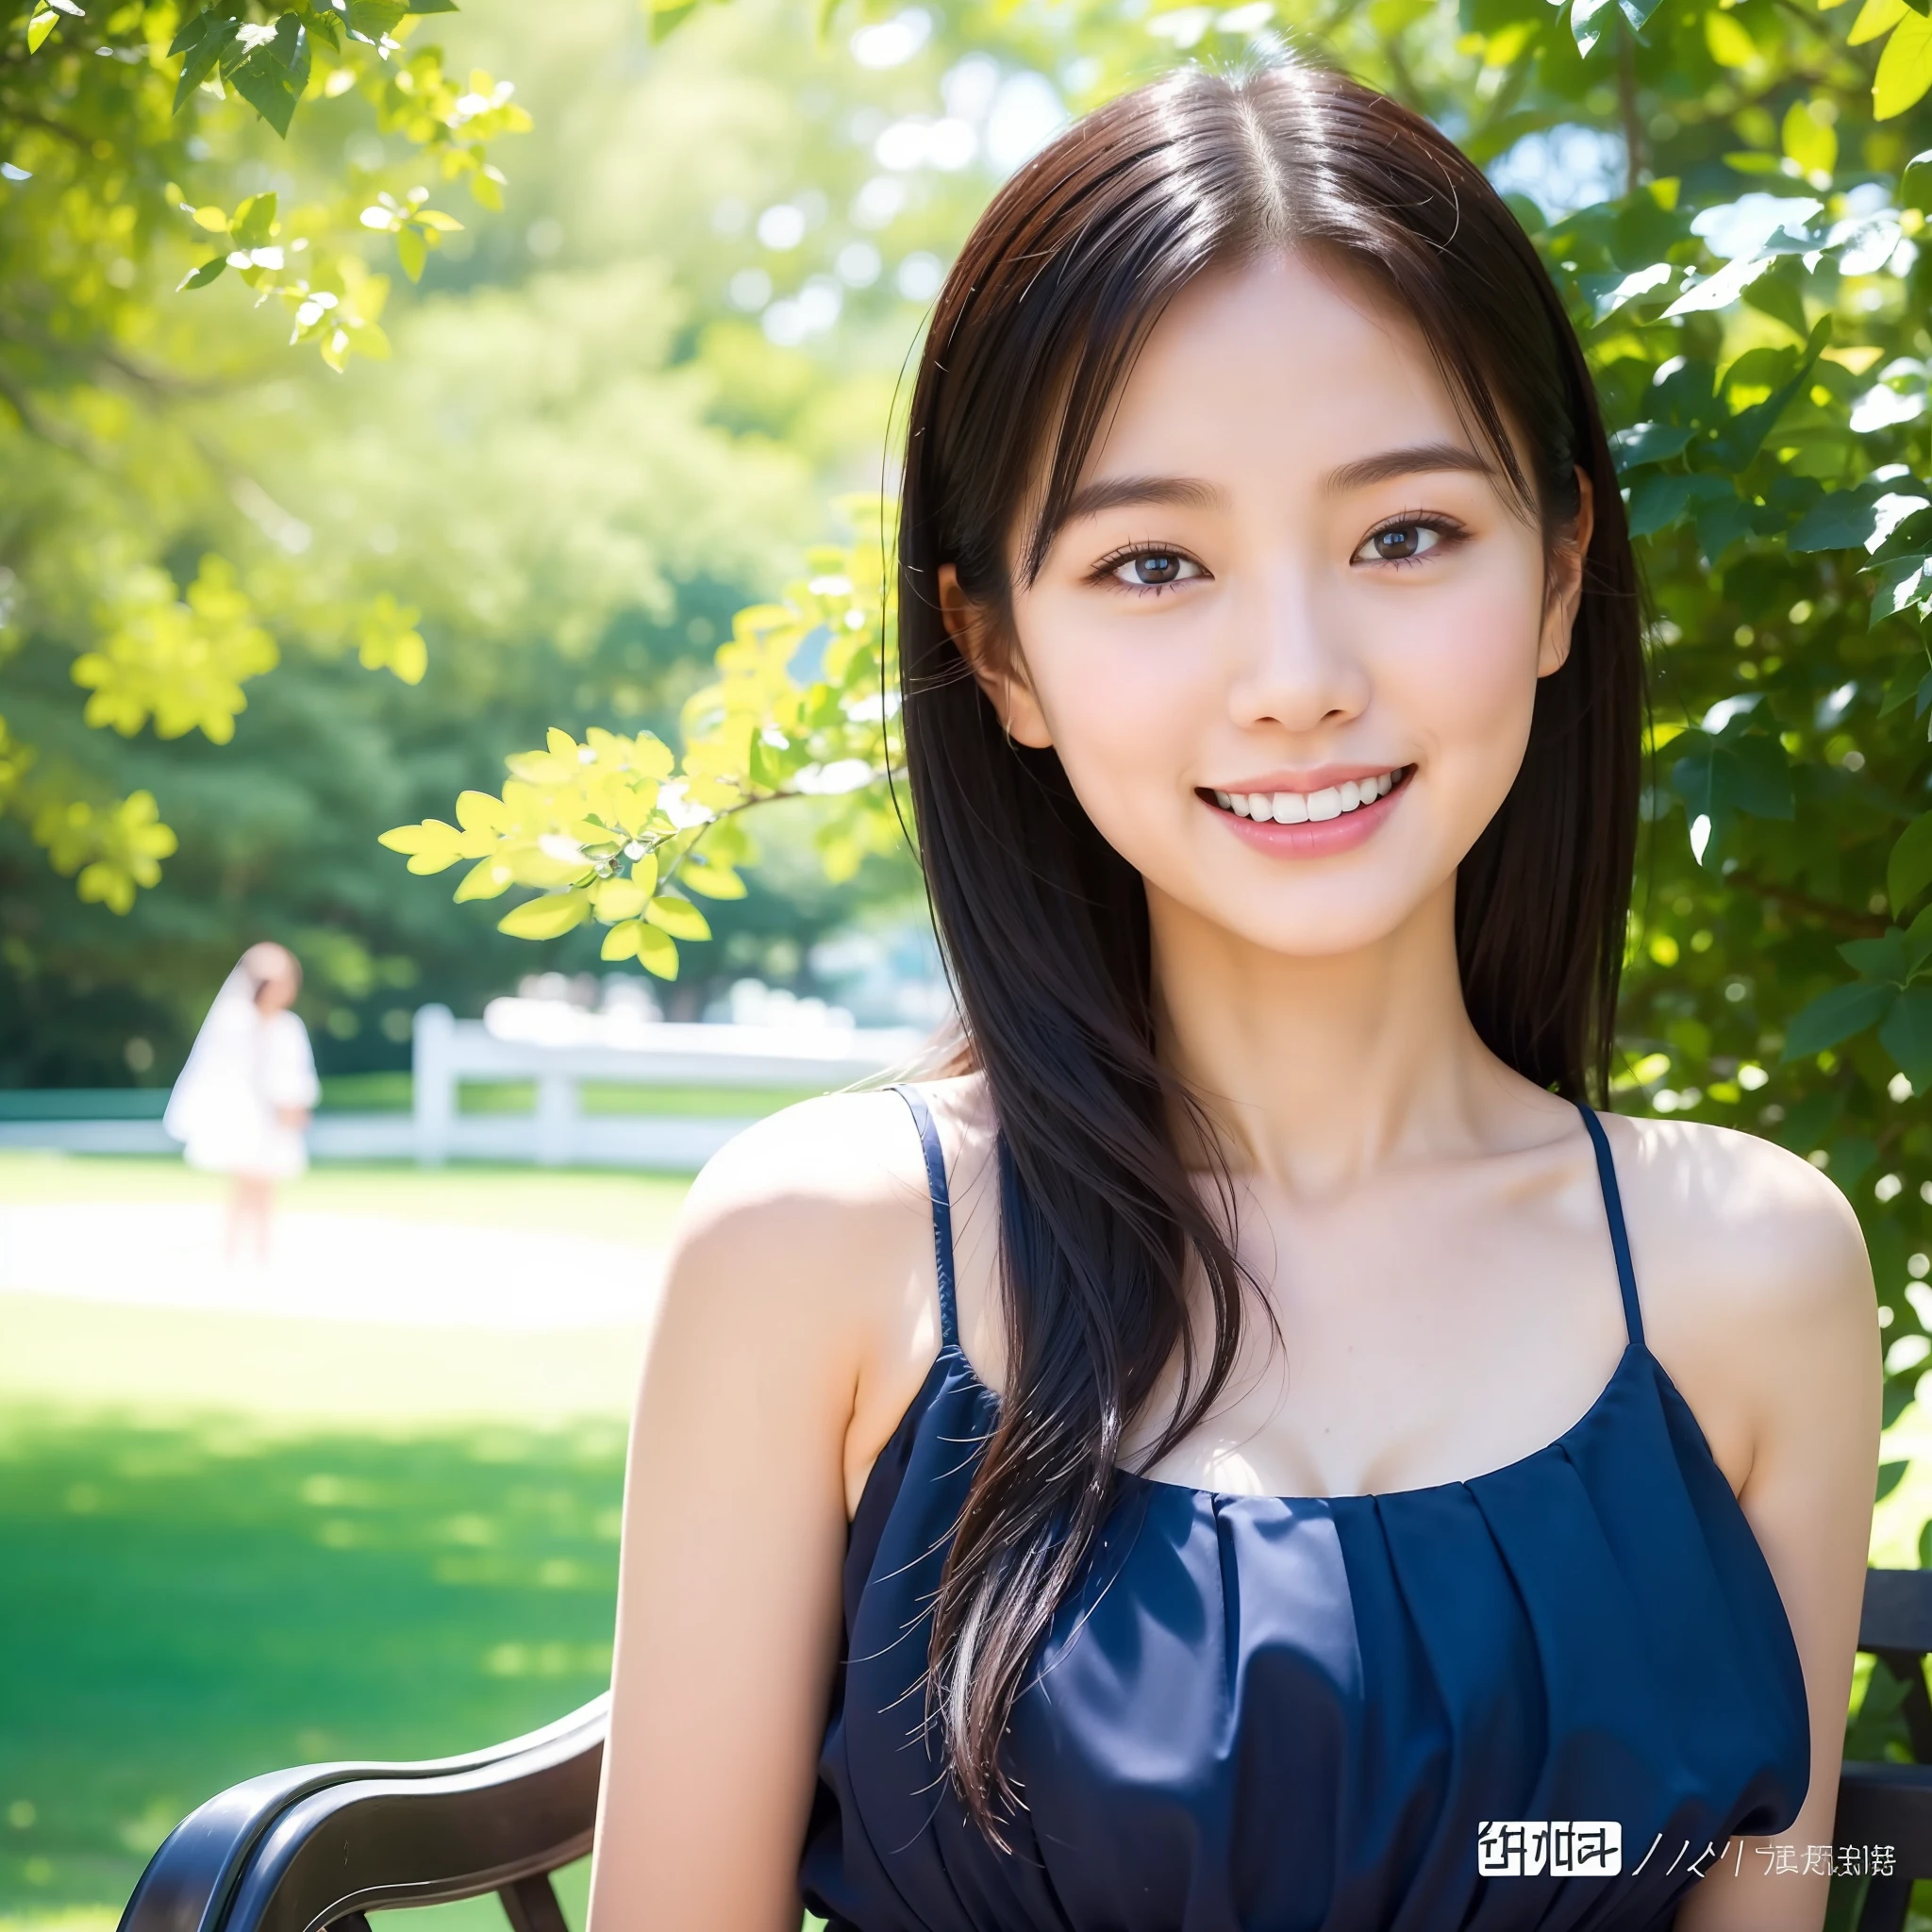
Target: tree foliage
x,y
126,131
1733,198
802,706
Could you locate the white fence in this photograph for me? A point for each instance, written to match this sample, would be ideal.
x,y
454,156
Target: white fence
x,y
561,1047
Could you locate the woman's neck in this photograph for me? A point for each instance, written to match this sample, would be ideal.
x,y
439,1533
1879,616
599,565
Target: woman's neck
x,y
1317,1068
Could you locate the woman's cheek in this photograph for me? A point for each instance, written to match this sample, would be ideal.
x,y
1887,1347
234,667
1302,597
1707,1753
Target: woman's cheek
x,y
1122,717
1470,692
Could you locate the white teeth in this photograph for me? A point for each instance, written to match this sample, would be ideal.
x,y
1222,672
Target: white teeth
x,y
1298,808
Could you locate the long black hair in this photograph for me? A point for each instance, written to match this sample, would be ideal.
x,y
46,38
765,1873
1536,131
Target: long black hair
x,y
1043,925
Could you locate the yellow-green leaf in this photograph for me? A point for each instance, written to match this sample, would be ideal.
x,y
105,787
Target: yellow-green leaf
x,y
546,918
656,952
678,917
1729,44
643,873
529,866
712,881
37,28
620,941
618,899
481,811
420,837
1905,69
1810,139
1876,18
486,879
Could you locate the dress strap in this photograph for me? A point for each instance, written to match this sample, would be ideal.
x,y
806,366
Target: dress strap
x,y
941,1211
1614,1208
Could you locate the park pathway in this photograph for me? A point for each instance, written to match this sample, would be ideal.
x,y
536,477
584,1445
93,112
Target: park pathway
x,y
358,1268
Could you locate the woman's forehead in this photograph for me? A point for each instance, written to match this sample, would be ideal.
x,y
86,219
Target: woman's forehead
x,y
1278,364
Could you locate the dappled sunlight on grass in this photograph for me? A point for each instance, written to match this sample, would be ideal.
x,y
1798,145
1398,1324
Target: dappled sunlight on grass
x,y
187,1605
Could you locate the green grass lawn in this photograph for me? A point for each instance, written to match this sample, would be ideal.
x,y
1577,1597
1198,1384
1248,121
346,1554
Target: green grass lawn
x,y
391,1093
289,1548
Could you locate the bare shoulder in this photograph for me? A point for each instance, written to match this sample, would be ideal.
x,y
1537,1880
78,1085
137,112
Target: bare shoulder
x,y
1756,1296
1742,1215
820,1203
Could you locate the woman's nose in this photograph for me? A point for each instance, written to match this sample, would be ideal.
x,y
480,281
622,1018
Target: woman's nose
x,y
1295,663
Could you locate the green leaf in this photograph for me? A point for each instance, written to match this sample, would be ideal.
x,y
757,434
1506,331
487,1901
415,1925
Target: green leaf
x,y
432,5
1740,771
1658,502
665,17
1883,958
546,918
1837,1015
412,252
1890,1475
1851,518
656,952
203,40
678,917
1919,941
200,277
1607,293
254,221
1741,439
272,77
1915,183
1906,1034
764,774
1779,293
1904,583
372,20
1649,443
1908,871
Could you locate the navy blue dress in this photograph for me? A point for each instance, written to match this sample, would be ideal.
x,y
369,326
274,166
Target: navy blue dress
x,y
1300,1713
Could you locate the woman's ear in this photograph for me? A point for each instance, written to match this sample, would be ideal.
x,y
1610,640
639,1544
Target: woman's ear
x,y
1566,582
1001,672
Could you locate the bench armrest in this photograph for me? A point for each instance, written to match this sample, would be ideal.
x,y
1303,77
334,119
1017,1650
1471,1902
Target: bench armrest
x,y
296,1851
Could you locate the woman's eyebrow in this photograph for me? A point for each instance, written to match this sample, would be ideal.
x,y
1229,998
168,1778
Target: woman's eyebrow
x,y
1114,492
1405,462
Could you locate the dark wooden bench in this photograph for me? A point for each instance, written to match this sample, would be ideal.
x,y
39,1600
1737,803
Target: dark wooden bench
x,y
298,1851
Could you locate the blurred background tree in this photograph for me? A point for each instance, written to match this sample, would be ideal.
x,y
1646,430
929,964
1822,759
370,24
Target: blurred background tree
x,y
615,413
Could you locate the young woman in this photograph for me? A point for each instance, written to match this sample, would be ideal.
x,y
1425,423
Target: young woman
x,y
1249,1447
245,1094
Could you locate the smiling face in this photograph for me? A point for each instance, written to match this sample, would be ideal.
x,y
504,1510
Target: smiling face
x,y
1287,645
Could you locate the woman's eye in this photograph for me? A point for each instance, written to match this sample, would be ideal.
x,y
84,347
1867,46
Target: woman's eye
x,y
1399,544
1151,569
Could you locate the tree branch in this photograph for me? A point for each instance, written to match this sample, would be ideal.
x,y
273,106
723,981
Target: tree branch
x,y
1845,919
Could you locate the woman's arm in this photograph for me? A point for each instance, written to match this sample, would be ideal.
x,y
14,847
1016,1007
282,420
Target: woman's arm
x,y
796,1256
1804,1345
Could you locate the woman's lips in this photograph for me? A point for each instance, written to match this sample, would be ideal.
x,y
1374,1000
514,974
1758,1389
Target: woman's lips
x,y
1315,835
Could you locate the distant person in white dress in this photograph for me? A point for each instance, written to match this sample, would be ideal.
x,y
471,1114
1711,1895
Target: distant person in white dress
x,y
245,1097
